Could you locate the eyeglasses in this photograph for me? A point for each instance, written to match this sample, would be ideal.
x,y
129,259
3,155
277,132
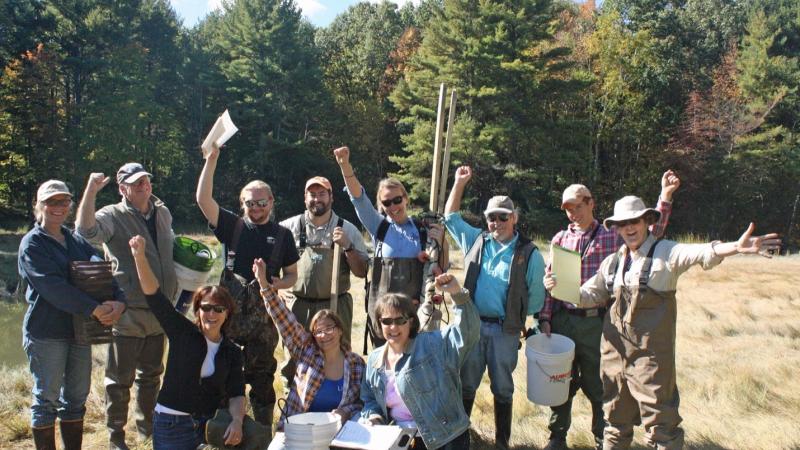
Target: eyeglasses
x,y
502,217
320,194
392,201
56,202
208,307
252,203
324,331
625,223
388,321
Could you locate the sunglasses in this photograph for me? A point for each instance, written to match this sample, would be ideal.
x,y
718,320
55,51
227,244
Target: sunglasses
x,y
324,331
388,321
61,202
208,307
252,203
502,217
392,201
625,223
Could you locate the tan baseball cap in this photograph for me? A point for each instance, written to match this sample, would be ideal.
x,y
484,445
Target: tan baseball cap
x,y
50,188
574,194
322,181
499,204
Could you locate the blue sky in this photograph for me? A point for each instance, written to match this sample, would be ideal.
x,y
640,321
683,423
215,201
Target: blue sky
x,y
319,12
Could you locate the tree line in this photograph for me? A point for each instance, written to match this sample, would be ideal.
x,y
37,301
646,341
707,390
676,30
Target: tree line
x,y
550,93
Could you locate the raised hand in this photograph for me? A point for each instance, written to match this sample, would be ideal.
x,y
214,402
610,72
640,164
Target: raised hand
x,y
463,175
212,152
260,271
448,283
669,184
342,155
763,245
137,244
97,181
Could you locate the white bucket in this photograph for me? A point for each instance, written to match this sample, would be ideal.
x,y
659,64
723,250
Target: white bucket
x,y
310,431
549,368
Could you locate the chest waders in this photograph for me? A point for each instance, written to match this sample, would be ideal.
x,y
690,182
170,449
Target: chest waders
x,y
315,269
637,364
391,275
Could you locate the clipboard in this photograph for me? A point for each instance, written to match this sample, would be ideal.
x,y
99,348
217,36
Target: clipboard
x,y
566,266
354,435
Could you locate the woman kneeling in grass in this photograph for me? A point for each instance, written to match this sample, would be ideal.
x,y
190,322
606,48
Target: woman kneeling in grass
x,y
328,374
413,379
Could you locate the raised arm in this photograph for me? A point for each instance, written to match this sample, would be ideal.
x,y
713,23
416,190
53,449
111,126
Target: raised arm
x,y
669,184
147,279
763,245
464,333
85,222
343,159
462,176
205,188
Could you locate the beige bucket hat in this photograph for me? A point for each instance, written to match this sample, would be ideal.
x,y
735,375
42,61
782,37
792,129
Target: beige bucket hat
x,y
628,208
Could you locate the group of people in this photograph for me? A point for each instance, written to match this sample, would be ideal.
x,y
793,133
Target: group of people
x,y
623,326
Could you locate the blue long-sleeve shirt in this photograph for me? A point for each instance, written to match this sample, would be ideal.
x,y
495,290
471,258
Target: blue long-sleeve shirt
x,y
44,264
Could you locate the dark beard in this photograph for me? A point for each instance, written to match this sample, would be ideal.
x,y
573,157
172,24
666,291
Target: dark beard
x,y
318,210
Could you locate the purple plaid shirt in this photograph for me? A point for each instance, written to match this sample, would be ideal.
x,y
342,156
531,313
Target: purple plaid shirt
x,y
310,373
605,242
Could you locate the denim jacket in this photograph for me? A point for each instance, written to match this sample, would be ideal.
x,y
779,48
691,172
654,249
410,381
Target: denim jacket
x,y
428,377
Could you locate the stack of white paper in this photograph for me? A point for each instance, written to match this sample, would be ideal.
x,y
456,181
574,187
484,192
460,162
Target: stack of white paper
x,y
375,437
222,130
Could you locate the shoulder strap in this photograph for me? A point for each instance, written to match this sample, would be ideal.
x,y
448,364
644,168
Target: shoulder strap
x,y
644,275
274,263
589,242
610,280
380,235
302,238
230,253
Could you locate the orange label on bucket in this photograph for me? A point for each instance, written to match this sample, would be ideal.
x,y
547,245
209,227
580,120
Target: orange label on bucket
x,y
560,378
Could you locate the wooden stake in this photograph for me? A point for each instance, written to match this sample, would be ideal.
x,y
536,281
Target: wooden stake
x,y
337,262
446,156
437,150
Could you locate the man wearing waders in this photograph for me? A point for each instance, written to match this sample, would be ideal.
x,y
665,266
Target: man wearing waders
x,y
251,236
503,278
637,362
315,232
398,241
586,235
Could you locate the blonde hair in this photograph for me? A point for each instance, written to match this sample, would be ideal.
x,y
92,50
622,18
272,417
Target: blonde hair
x,y
388,183
254,186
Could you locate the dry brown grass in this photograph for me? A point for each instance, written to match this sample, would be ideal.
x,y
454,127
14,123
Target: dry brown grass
x,y
738,358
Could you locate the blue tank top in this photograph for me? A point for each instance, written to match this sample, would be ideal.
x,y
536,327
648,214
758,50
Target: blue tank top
x,y
328,397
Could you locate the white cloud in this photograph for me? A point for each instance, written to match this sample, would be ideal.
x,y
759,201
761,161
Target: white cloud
x,y
310,7
214,5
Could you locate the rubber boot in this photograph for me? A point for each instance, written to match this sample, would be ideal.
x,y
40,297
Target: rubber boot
x,y
45,438
598,424
116,440
468,402
502,424
72,434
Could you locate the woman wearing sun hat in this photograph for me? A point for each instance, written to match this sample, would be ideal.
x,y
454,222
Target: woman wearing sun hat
x,y
638,345
60,366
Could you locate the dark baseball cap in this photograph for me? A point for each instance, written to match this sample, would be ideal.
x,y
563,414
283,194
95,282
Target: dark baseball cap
x,y
131,172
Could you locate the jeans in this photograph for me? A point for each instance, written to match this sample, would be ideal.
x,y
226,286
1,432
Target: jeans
x,y
173,432
62,372
498,351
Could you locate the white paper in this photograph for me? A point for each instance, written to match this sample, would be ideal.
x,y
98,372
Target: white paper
x,y
566,267
222,130
375,437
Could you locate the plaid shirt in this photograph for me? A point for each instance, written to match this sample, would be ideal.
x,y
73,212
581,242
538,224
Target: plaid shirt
x,y
310,361
605,242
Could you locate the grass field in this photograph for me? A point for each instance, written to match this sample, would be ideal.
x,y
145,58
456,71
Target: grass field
x,y
738,360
